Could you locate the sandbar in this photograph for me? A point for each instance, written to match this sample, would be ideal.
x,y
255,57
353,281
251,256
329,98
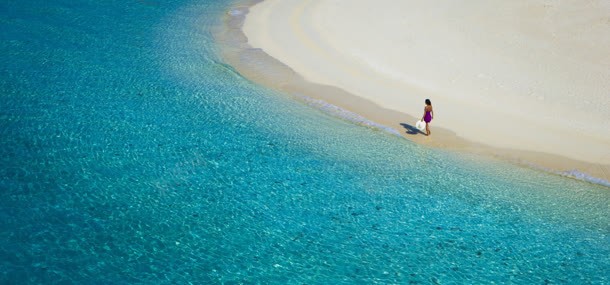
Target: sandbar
x,y
526,81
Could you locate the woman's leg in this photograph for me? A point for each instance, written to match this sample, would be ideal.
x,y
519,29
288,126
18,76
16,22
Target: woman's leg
x,y
427,129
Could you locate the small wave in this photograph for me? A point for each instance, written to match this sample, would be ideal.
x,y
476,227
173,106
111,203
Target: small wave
x,y
585,177
347,115
236,12
574,174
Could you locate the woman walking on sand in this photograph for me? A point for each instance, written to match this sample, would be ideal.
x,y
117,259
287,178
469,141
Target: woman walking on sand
x,y
428,115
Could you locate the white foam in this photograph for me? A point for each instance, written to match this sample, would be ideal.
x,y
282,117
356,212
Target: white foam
x,y
585,177
236,12
347,115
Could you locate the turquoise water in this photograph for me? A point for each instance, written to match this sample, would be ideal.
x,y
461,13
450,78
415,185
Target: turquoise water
x,y
130,153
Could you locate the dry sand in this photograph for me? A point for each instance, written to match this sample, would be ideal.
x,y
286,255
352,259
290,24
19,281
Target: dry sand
x,y
527,81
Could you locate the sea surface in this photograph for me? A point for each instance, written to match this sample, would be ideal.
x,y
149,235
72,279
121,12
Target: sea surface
x,y
131,153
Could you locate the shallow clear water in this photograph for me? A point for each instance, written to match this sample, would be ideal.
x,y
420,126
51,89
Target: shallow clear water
x,y
130,153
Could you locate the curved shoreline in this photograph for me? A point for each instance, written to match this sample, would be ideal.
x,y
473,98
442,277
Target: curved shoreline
x,y
257,66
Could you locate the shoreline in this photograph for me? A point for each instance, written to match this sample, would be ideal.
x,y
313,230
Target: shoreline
x,y
256,65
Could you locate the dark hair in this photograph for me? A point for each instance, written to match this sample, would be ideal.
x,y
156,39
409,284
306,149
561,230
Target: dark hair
x,y
428,102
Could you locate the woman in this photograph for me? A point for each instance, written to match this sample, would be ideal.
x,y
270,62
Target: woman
x,y
428,115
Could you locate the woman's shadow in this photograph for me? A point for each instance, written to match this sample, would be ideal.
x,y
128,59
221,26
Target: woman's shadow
x,y
411,130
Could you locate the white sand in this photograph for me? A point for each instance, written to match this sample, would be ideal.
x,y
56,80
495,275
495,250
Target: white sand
x,y
528,75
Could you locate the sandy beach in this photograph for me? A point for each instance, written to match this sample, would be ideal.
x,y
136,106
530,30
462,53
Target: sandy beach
x,y
523,81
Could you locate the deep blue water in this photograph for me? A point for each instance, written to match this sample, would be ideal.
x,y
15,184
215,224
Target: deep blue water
x,y
130,153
